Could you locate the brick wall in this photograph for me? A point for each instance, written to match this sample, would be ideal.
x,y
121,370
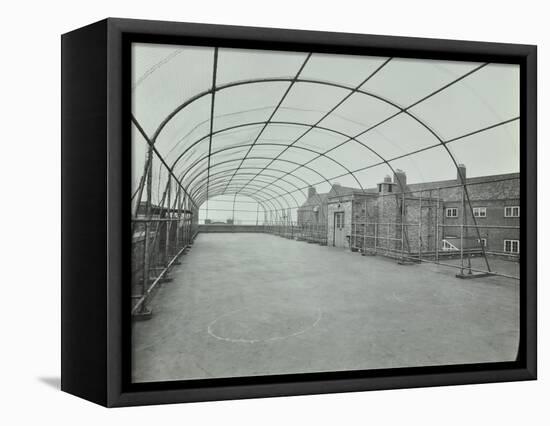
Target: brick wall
x,y
367,215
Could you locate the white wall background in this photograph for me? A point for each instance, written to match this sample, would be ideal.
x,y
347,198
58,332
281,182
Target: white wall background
x,y
30,176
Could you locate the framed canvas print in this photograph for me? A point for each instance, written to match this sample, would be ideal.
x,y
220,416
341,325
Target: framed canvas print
x,y
253,212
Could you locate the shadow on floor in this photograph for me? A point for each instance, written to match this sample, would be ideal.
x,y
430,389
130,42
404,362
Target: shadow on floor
x,y
54,382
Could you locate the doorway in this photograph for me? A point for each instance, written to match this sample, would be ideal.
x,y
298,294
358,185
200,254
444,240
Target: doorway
x,y
339,237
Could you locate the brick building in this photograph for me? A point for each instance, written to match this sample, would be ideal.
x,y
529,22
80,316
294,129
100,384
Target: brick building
x,y
398,218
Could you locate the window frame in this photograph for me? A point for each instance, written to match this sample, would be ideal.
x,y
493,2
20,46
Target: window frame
x,y
479,210
511,211
451,209
511,251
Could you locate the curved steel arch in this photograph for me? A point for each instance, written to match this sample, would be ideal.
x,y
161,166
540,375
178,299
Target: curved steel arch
x,y
299,124
401,110
219,88
271,192
292,123
254,81
258,200
264,174
221,179
426,148
262,158
289,123
344,99
272,184
216,181
271,201
255,197
277,159
189,101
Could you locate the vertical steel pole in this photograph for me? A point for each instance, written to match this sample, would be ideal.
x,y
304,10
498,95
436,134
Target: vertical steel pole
x,y
462,236
403,227
178,217
233,212
365,235
146,258
375,236
186,223
420,229
437,226
388,237
168,216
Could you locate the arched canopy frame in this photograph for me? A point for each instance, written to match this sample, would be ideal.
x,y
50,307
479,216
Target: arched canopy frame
x,y
264,181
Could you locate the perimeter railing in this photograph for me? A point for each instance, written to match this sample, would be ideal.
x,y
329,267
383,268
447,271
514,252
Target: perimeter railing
x,y
157,244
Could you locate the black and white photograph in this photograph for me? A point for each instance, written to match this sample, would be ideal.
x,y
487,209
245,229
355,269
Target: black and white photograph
x,y
304,212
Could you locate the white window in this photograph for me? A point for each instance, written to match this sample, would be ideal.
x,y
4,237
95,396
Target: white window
x,y
512,211
451,212
511,246
480,211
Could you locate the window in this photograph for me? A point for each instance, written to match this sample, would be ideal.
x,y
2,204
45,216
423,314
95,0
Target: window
x,y
512,211
480,211
339,220
482,242
452,212
511,246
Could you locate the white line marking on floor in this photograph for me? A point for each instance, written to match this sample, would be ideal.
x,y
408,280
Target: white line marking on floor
x,y
271,339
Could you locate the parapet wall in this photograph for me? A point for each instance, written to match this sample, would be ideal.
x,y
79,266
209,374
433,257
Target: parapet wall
x,y
222,227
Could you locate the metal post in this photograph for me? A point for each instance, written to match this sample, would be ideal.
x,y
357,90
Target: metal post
x,y
402,227
437,227
388,237
145,280
467,236
186,223
420,229
462,236
143,179
375,236
178,216
233,213
167,225
146,255
365,234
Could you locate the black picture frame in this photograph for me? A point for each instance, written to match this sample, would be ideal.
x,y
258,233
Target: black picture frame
x,y
96,213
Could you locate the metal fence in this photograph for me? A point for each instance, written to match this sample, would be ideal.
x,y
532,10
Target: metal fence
x,y
157,244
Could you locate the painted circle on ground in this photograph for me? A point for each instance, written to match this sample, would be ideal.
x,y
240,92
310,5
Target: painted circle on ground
x,y
263,324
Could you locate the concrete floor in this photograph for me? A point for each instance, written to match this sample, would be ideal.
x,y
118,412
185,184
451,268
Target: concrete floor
x,y
254,304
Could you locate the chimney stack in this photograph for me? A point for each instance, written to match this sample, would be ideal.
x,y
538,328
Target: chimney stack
x,y
461,172
311,192
400,179
386,186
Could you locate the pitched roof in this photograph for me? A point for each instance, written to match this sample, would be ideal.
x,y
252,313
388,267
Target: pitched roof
x,y
454,182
